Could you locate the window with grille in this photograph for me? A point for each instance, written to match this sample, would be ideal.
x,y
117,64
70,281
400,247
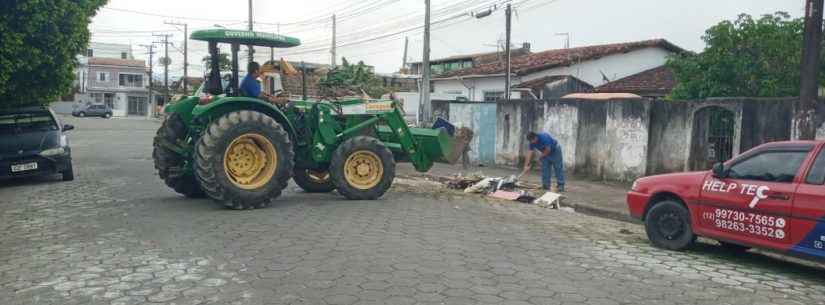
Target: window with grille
x,y
131,80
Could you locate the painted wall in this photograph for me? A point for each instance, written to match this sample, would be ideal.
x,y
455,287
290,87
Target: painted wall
x,y
626,132
667,137
481,118
560,120
513,120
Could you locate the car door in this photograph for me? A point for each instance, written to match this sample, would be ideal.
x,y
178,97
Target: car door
x,y
97,109
752,204
809,211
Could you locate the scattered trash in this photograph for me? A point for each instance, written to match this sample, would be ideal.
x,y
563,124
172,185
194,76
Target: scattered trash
x,y
567,209
506,195
480,186
549,200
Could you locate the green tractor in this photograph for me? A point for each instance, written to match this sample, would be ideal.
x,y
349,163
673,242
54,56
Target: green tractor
x,y
241,151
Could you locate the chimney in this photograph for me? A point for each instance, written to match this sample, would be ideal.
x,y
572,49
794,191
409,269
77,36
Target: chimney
x,y
526,47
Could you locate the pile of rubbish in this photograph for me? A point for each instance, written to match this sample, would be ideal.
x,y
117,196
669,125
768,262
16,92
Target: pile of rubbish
x,y
506,188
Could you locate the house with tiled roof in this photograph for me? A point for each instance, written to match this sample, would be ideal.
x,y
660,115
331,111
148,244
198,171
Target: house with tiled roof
x,y
593,65
656,82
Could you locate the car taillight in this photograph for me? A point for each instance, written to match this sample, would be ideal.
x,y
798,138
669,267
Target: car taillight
x,y
206,99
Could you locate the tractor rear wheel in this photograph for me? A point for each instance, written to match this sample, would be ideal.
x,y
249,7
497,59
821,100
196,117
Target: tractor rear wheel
x,y
170,165
362,168
313,181
244,160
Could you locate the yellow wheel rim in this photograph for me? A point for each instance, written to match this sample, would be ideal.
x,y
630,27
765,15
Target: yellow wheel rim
x,y
363,170
250,161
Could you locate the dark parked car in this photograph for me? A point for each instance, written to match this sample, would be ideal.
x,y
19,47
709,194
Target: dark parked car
x,y
93,110
32,143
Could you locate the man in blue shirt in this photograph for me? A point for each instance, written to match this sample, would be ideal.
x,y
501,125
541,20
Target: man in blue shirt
x,y
250,86
550,155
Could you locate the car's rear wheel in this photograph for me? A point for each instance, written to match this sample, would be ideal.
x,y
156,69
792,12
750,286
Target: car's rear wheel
x,y
313,181
668,226
107,115
81,114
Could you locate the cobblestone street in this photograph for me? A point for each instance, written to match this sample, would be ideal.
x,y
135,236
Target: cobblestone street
x,y
117,235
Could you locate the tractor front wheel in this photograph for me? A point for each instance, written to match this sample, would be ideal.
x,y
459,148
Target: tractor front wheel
x,y
313,181
244,160
362,168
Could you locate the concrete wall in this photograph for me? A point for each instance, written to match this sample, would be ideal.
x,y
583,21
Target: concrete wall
x,y
620,139
667,137
512,119
626,132
561,120
481,118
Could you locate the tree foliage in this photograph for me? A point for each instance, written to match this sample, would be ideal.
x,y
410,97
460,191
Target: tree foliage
x,y
352,77
40,43
746,57
223,62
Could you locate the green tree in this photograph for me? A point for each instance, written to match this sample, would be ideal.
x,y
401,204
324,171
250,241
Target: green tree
x,y
40,43
355,78
223,62
746,57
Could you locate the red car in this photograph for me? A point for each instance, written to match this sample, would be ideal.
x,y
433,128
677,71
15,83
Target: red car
x,y
772,196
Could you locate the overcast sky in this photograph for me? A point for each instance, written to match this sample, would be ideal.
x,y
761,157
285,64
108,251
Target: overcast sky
x,y
536,21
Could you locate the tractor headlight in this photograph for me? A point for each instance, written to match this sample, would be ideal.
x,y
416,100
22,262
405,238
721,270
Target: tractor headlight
x,y
635,186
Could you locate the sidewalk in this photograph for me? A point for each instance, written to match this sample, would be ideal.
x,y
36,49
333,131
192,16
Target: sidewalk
x,y
598,198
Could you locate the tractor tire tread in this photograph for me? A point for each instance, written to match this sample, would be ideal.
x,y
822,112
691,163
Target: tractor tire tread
x,y
209,159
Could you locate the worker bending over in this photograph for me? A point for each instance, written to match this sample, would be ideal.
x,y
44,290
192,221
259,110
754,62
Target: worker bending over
x,y
550,155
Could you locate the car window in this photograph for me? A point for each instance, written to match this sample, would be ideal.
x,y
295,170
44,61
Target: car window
x,y
27,122
771,166
817,173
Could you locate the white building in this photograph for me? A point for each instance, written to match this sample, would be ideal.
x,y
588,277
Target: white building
x,y
108,74
595,65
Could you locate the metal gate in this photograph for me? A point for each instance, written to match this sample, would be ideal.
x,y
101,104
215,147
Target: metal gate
x,y
720,134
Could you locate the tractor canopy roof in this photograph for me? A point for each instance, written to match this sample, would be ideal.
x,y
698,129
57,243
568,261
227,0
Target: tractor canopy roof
x,y
246,38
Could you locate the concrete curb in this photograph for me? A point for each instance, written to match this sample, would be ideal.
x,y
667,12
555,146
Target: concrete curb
x,y
583,208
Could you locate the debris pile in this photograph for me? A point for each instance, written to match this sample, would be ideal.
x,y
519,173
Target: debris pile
x,y
505,188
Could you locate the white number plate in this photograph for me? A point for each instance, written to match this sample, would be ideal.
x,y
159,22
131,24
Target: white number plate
x,y
23,167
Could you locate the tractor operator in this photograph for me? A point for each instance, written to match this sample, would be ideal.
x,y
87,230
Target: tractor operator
x,y
550,156
252,88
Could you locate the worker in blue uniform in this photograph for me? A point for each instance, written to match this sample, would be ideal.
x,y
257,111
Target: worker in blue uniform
x,y
550,156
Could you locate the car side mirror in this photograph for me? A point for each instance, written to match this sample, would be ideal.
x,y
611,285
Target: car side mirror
x,y
68,127
719,170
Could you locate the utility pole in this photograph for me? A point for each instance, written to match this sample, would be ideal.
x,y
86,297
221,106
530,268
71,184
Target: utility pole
x,y
806,114
151,103
509,12
404,61
566,39
166,61
185,55
251,48
426,106
332,51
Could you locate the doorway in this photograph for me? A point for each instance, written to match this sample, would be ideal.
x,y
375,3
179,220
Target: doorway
x,y
712,138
